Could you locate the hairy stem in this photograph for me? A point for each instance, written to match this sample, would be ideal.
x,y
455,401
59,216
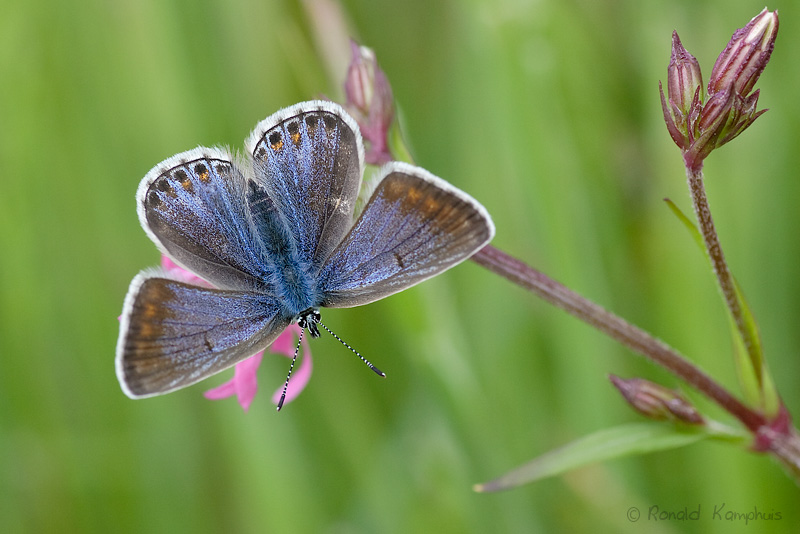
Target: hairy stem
x,y
714,249
629,335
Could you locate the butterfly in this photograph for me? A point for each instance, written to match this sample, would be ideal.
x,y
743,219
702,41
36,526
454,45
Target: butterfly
x,y
274,232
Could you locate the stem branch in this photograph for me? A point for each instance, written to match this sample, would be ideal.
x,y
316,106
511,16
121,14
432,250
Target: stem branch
x,y
614,326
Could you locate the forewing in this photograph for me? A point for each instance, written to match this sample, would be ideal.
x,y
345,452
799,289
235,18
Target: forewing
x,y
309,158
414,226
174,334
194,207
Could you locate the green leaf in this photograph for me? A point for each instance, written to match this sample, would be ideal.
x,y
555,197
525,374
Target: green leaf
x,y
754,377
617,442
687,222
397,144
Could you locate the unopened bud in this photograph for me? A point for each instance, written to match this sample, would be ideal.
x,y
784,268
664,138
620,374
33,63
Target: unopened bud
x,y
747,53
684,79
698,129
655,401
370,101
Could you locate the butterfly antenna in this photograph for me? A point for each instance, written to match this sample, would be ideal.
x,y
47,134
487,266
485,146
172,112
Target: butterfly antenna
x,y
354,351
291,367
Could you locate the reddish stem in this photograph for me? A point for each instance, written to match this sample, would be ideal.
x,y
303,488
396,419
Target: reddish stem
x,y
614,326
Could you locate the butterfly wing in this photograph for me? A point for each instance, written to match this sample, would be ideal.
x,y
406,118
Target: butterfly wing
x,y
174,334
414,226
195,207
309,159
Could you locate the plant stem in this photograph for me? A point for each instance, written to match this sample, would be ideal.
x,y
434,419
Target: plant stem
x,y
614,326
786,447
714,249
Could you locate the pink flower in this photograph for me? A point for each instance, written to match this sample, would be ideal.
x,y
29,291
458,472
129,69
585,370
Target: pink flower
x,y
244,383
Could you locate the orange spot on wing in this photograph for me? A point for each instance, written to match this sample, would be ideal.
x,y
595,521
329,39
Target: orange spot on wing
x,y
187,185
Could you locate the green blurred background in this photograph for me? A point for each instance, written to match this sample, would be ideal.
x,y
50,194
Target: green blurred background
x,y
546,111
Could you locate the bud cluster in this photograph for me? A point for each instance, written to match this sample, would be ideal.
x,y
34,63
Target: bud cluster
x,y
697,127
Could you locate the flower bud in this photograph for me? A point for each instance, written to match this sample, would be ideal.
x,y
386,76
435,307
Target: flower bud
x,y
684,78
655,401
684,88
711,123
370,101
747,53
359,85
698,129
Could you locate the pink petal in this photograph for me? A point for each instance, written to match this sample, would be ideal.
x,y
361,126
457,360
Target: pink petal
x,y
244,383
167,263
285,342
179,272
221,392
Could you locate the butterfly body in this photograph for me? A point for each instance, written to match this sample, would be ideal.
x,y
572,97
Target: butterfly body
x,y
273,232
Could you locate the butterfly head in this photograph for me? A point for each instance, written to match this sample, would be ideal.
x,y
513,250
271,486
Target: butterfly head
x,y
308,319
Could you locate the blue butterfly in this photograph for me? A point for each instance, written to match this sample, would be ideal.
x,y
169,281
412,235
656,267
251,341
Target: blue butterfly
x,y
274,233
